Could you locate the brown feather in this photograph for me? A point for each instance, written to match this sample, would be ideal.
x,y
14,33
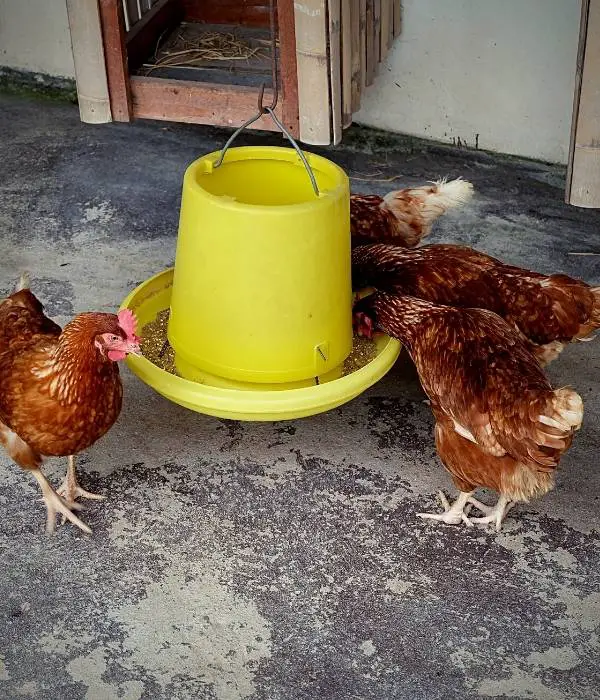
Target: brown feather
x,y
550,311
486,387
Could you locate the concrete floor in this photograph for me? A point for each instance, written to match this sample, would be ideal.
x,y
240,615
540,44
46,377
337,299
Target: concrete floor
x,y
281,561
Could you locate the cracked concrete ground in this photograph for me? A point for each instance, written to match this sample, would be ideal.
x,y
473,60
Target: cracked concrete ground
x,y
281,561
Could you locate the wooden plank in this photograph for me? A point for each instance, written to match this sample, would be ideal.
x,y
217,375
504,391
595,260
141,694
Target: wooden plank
x,y
370,43
376,33
357,81
346,12
313,71
115,55
142,38
397,17
334,16
88,58
583,176
250,13
197,103
288,69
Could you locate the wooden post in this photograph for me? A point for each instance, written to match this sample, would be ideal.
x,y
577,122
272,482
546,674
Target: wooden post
x,y
88,57
347,9
583,176
115,54
313,63
288,69
334,16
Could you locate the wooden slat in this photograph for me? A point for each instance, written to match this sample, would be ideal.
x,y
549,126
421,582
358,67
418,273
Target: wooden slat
x,y
142,39
334,16
197,103
313,71
397,17
583,176
115,55
288,69
249,13
357,81
376,32
370,43
347,10
88,59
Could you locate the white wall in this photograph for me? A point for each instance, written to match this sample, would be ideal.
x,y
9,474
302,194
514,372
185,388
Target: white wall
x,y
503,69
34,36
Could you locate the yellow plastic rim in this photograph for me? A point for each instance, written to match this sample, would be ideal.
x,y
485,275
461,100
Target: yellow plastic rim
x,y
153,296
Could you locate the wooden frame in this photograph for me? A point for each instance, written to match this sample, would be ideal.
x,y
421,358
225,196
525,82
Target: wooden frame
x,y
583,175
133,96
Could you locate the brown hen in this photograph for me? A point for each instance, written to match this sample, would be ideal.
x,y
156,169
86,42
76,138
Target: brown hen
x,y
549,310
499,423
61,390
404,217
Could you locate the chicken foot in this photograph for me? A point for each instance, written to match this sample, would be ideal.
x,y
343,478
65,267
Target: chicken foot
x,y
70,488
457,512
494,514
55,504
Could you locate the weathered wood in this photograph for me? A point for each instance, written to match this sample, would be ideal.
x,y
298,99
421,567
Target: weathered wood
x,y
376,33
357,54
346,12
88,58
370,43
115,54
197,103
583,176
254,13
334,16
142,38
313,71
288,69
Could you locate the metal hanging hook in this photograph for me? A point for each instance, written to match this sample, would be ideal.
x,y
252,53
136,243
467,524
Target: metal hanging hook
x,y
270,109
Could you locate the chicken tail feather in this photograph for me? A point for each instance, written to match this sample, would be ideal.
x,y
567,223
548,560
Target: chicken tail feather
x,y
24,282
427,203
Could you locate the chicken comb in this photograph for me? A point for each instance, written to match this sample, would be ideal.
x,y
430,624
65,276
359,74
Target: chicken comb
x,y
128,322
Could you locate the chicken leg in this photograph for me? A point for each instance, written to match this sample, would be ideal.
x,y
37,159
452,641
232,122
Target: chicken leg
x,y
457,512
55,504
70,489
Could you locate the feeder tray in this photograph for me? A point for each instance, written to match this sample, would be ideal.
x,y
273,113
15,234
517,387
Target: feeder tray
x,y
242,400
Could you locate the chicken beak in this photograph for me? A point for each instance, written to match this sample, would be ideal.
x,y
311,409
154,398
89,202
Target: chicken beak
x,y
133,347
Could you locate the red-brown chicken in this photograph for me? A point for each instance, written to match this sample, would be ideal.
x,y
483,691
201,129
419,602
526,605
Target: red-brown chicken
x,y
549,310
404,217
499,424
61,390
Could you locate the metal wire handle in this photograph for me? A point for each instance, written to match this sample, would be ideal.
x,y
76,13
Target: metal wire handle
x,y
270,110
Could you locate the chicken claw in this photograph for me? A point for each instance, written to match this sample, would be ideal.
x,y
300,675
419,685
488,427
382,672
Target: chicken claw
x,y
70,488
453,514
494,514
55,504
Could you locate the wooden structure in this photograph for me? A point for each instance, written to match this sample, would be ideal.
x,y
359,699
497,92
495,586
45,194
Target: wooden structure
x,y
583,176
328,51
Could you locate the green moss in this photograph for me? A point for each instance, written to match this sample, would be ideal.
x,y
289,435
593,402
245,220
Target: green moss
x,y
37,85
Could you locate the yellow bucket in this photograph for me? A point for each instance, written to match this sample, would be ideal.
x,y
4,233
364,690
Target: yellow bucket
x,y
262,286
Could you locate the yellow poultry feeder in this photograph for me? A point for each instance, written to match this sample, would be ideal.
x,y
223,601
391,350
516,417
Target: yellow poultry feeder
x,y
260,297
262,288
